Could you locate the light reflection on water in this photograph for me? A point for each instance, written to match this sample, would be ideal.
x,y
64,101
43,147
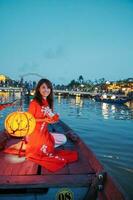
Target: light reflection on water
x,y
107,129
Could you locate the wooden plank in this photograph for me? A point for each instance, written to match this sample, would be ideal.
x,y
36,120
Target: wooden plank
x,y
112,190
45,181
3,139
90,156
62,171
13,165
82,166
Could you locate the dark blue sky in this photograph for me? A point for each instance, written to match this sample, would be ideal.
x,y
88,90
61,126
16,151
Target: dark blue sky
x,y
63,39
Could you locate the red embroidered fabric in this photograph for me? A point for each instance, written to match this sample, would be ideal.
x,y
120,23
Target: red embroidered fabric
x,y
40,147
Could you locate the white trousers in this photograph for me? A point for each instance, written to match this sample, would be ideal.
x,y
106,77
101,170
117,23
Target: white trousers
x,y
59,138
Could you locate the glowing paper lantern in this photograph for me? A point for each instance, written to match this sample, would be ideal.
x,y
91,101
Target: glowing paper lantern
x,y
20,124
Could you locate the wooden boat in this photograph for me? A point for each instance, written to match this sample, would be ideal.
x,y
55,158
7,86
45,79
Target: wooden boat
x,y
87,172
119,101
4,105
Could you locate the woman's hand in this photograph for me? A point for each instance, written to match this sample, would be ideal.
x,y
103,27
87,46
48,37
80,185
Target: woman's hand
x,y
51,120
48,119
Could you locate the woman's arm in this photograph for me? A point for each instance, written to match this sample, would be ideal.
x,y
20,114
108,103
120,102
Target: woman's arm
x,y
48,119
32,107
49,116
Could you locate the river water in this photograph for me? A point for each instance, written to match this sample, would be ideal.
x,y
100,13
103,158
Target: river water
x,y
107,129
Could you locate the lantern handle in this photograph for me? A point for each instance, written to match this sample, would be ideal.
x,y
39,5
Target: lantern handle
x,y
24,141
19,109
20,106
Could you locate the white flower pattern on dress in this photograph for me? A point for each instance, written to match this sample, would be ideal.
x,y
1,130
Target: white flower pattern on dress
x,y
51,155
42,125
47,111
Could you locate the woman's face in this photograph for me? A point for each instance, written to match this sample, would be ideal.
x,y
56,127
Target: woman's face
x,y
44,90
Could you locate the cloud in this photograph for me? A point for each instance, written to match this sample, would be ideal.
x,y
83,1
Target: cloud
x,y
54,53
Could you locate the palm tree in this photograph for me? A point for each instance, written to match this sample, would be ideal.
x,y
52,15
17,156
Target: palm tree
x,y
81,79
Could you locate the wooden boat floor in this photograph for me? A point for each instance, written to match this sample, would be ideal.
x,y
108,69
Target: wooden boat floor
x,y
20,172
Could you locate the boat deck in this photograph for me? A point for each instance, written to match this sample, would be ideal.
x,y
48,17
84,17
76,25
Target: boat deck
x,y
19,173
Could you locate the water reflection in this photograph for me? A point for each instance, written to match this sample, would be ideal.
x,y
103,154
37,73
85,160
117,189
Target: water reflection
x,y
9,96
120,112
78,99
101,127
81,106
59,98
105,110
75,104
130,104
4,96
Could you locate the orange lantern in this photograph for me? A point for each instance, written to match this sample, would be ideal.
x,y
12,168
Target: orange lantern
x,y
20,124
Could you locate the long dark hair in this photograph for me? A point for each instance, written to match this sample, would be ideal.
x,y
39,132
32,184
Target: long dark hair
x,y
38,96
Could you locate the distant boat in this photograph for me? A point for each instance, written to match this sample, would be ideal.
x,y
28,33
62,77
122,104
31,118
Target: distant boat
x,y
4,105
112,100
87,172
